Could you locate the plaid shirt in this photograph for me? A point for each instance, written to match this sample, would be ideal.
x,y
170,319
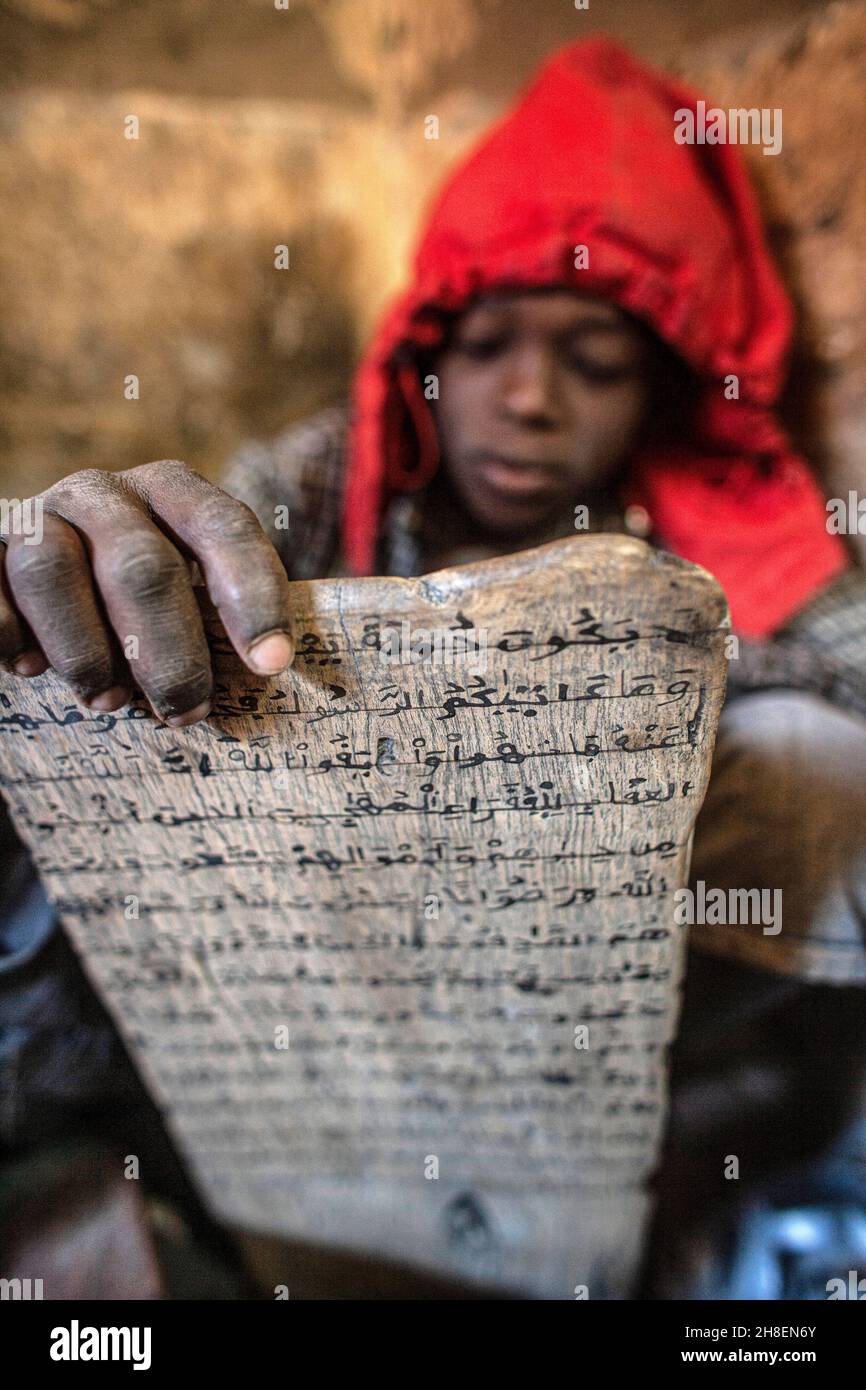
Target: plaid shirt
x,y
821,649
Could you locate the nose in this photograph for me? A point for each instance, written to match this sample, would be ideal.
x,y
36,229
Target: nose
x,y
528,389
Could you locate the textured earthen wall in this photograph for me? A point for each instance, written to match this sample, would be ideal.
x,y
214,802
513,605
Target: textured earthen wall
x,y
305,127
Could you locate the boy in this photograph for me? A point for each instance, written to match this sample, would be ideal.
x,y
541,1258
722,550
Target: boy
x,y
593,332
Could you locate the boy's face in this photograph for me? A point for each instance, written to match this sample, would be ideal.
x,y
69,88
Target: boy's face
x,y
541,397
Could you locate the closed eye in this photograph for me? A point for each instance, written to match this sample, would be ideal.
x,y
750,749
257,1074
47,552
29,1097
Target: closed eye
x,y
482,349
601,372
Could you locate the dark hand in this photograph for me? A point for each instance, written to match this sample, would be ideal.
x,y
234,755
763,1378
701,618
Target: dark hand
x,y
106,598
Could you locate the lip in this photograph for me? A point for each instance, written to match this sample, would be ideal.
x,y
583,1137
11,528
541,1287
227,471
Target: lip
x,y
518,478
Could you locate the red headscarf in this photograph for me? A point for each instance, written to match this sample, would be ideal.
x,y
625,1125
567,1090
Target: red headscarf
x,y
587,157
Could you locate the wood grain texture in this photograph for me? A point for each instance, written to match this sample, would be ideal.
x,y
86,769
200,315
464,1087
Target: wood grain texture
x,y
404,967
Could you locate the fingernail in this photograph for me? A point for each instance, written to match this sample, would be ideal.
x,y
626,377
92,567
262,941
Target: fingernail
x,y
271,654
192,716
110,699
29,664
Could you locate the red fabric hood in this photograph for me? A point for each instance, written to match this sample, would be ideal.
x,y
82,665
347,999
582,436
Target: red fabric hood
x,y
587,156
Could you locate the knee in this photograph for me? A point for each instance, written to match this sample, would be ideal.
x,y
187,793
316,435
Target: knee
x,y
796,759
